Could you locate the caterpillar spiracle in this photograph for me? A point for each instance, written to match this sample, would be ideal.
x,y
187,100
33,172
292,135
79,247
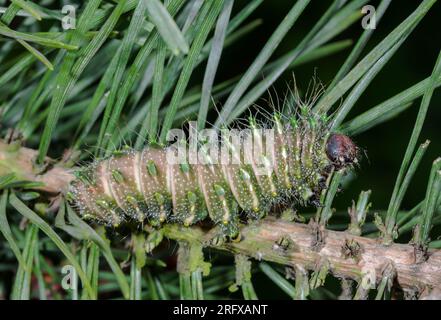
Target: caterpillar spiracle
x,y
292,165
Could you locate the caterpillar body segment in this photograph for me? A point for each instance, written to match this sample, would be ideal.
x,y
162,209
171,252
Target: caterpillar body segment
x,y
263,170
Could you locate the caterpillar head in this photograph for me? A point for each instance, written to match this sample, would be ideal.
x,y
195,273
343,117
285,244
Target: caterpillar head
x,y
341,150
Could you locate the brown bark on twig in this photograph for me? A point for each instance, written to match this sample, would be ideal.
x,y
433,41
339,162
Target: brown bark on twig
x,y
348,256
260,240
19,160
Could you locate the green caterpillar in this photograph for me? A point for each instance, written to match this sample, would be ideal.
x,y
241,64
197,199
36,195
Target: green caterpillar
x,y
143,186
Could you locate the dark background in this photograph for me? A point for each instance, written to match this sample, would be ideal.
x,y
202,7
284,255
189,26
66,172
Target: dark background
x,y
385,145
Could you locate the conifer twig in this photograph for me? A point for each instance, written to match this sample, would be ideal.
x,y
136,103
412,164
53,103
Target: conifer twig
x,y
349,256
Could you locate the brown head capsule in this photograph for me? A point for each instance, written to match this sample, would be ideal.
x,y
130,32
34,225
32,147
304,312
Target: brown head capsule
x,y
341,150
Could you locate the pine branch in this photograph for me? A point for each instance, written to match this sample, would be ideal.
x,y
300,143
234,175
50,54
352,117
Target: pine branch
x,y
292,244
54,178
349,256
